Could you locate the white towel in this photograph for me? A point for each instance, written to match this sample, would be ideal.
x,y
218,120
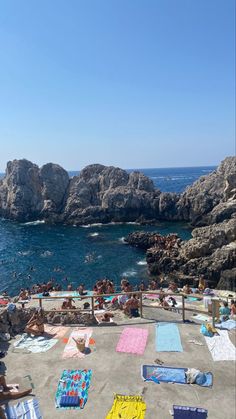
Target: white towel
x,y
221,347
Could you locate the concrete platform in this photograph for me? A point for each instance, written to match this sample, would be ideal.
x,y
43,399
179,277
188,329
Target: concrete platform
x,y
114,372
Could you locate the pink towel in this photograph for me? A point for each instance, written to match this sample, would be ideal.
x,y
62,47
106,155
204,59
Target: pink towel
x,y
71,350
57,332
132,340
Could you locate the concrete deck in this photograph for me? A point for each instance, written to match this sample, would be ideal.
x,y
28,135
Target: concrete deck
x,y
114,372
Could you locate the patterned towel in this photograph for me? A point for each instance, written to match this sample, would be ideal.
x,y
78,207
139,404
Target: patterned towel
x,y
28,409
127,407
74,383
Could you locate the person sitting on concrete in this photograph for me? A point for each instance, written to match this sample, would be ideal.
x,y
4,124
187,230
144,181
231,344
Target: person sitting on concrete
x,y
163,303
224,312
187,289
35,325
81,290
67,304
23,295
131,306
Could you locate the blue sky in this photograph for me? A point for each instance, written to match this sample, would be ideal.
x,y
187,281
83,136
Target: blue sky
x,y
131,83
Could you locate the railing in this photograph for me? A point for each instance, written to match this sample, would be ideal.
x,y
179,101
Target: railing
x,y
140,294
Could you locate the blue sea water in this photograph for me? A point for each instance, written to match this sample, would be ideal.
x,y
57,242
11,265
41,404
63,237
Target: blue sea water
x,y
35,252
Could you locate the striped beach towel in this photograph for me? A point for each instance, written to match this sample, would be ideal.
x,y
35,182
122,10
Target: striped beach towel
x,y
28,409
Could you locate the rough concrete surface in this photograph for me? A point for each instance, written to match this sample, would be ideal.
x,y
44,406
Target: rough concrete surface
x,y
114,372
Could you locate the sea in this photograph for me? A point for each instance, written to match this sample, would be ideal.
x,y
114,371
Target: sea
x,y
35,252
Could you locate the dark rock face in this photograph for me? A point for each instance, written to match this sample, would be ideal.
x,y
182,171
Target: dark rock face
x,y
211,252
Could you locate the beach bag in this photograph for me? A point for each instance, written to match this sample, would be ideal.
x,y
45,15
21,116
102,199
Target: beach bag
x,y
80,343
205,331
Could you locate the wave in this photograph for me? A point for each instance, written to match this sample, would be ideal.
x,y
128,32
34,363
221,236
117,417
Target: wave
x,y
142,262
46,253
131,272
34,223
25,253
94,234
122,240
92,225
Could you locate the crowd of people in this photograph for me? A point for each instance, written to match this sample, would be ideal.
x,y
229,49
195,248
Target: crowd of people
x,y
129,299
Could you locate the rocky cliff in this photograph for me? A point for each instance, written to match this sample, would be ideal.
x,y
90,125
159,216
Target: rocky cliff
x,y
210,253
104,194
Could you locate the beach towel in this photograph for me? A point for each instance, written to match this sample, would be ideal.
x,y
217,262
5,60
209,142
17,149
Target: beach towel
x,y
74,383
127,407
201,317
57,332
71,350
228,325
28,409
132,340
168,338
171,375
221,347
187,412
35,344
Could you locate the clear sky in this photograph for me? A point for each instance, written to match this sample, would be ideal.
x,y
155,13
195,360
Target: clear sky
x,y
131,83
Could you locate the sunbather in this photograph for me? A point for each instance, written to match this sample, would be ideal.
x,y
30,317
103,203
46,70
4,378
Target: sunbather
x,y
224,312
35,325
187,289
67,304
6,394
131,306
163,303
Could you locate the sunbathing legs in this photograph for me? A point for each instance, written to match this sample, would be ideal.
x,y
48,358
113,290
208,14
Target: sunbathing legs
x,y
6,394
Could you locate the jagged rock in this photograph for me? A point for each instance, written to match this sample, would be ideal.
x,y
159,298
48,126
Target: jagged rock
x,y
145,240
28,193
103,194
199,199
211,251
227,280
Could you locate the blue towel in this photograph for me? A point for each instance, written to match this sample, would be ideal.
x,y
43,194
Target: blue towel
x,y
186,412
168,338
158,374
165,374
24,410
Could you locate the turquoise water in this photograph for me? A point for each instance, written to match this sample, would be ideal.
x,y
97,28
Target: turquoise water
x,y
31,253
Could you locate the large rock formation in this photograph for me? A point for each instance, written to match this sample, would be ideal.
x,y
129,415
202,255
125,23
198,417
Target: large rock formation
x,y
28,193
104,194
210,253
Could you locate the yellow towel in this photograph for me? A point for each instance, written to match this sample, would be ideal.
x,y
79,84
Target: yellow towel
x,y
127,407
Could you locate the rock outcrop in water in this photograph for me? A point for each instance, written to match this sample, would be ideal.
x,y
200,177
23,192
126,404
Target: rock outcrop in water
x,y
210,253
104,194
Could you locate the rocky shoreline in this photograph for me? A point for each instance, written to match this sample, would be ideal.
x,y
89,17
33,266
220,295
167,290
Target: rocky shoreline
x,y
103,194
